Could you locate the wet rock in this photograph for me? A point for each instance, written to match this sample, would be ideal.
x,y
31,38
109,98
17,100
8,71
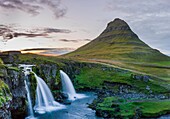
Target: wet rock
x,y
144,78
15,80
5,111
148,88
64,96
104,114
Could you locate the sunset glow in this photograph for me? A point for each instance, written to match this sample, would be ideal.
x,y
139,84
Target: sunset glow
x,y
66,24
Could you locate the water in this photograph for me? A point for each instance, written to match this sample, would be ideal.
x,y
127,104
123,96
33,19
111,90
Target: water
x,y
68,87
77,110
165,117
31,113
44,99
27,69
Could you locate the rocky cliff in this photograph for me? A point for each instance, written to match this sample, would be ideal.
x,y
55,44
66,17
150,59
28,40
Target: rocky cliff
x,y
15,106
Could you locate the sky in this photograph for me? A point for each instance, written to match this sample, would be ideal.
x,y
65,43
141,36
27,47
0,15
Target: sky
x,y
69,24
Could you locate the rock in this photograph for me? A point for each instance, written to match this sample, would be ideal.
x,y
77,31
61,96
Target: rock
x,y
64,96
144,78
15,81
67,102
5,112
148,88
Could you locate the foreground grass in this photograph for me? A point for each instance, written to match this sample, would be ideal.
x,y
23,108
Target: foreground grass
x,y
96,77
116,107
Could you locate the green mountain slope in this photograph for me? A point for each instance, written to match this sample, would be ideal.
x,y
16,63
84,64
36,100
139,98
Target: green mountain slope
x,y
118,42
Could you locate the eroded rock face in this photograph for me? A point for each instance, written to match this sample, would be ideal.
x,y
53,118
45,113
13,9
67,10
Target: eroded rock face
x,y
5,112
48,72
5,101
17,106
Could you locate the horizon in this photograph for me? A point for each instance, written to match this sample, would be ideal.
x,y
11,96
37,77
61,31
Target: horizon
x,y
65,24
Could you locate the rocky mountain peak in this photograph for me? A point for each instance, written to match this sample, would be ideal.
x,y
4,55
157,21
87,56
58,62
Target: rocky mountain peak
x,y
117,27
118,24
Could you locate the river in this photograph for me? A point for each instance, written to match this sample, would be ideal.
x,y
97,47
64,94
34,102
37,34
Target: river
x,y
77,110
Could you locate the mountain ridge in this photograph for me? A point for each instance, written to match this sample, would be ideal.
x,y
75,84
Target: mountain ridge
x,y
118,42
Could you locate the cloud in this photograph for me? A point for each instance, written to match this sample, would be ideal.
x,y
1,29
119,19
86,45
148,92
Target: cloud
x,y
149,19
86,39
30,34
34,7
54,30
49,51
54,5
75,41
9,32
66,40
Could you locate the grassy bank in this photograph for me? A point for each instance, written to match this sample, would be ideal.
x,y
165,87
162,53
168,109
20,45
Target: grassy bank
x,y
108,78
117,107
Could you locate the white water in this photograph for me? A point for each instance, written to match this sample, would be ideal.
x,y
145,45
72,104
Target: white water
x,y
27,69
44,99
68,87
31,113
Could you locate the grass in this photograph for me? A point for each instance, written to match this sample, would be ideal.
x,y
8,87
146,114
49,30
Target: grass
x,y
124,47
119,48
97,76
125,109
160,70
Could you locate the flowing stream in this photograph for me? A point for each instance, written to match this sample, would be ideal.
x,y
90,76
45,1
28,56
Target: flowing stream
x,y
77,110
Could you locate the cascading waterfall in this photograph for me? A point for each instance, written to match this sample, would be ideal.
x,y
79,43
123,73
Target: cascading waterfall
x,y
44,98
31,113
68,87
27,69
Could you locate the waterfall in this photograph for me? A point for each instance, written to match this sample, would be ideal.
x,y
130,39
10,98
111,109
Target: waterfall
x,y
31,113
68,87
44,98
27,69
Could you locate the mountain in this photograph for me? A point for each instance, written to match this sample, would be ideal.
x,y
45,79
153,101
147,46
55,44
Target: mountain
x,y
118,42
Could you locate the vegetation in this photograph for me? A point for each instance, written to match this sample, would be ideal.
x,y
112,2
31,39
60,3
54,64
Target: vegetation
x,y
117,107
5,94
119,46
1,62
96,77
118,42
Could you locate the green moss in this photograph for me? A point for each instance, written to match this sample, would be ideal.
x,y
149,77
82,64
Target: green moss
x,y
5,94
2,68
14,68
1,62
33,85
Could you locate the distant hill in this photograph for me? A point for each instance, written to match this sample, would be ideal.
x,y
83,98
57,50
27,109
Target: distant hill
x,y
118,42
48,51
